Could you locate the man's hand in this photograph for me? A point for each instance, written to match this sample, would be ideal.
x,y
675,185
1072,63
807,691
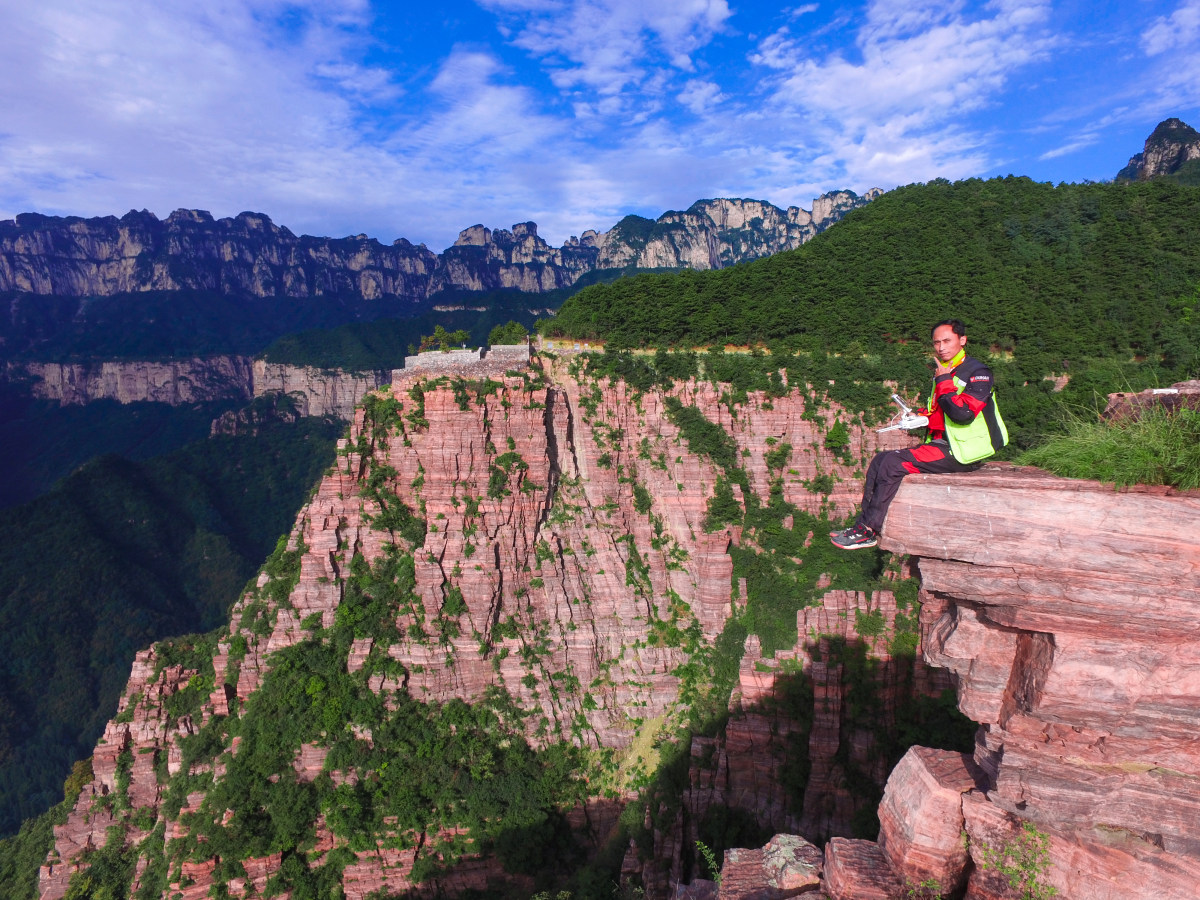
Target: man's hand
x,y
942,368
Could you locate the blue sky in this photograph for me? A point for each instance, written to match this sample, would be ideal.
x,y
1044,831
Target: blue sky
x,y
417,120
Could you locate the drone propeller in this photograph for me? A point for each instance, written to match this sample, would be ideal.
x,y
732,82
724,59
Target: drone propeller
x,y
906,419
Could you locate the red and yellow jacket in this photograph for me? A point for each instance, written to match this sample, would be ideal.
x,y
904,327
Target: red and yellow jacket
x,y
963,411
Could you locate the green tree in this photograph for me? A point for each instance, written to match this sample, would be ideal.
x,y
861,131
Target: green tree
x,y
509,333
443,340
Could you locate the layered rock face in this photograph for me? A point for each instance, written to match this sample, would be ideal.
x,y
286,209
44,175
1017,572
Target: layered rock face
x,y
1068,613
317,392
565,561
313,391
793,712
175,382
483,260
1171,145
249,255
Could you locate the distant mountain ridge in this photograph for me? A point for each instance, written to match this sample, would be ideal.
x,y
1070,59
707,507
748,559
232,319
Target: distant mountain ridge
x,y
249,254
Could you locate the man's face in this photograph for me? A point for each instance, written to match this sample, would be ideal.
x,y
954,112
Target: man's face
x,y
946,343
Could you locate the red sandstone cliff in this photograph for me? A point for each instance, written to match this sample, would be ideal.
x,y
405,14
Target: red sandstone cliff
x,y
1068,613
794,711
571,592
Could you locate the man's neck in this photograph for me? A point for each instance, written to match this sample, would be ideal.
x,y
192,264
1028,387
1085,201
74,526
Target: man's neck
x,y
957,361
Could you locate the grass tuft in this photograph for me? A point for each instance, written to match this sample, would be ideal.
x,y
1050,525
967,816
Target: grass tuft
x,y
1159,448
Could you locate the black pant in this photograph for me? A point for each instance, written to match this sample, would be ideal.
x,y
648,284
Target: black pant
x,y
889,467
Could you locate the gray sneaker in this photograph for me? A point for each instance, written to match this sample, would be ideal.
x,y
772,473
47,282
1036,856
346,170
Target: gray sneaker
x,y
856,538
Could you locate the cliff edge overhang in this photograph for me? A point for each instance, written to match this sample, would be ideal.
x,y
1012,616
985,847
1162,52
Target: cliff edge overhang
x,y
1070,614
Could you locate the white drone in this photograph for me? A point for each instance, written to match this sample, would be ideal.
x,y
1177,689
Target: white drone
x,y
906,419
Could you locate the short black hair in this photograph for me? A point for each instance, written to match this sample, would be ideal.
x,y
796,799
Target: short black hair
x,y
956,325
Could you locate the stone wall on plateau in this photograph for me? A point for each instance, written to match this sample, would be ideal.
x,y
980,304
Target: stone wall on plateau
x,y
565,560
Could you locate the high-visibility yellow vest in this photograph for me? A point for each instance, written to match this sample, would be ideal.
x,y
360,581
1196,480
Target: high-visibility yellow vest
x,y
984,434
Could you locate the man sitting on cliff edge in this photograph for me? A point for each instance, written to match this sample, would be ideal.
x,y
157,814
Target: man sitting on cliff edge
x,y
964,428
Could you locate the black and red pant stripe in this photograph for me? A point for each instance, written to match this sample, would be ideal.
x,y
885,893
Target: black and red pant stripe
x,y
888,469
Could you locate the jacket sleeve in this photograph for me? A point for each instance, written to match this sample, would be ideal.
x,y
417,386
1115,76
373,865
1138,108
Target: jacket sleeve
x,y
963,408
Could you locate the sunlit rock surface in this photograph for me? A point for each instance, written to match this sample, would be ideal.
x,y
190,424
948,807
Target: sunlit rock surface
x,y
1070,615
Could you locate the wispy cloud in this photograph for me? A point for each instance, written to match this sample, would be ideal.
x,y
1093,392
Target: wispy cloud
x,y
1172,43
700,96
1082,141
609,46
1180,29
133,102
896,106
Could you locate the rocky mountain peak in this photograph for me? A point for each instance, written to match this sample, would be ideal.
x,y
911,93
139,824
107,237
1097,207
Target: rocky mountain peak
x,y
1171,146
475,236
199,216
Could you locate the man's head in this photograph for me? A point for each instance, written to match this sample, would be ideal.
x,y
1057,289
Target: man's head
x,y
949,336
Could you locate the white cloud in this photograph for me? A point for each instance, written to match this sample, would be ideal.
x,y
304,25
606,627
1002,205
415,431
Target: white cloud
x,y
1082,141
240,106
632,107
131,104
1181,29
229,107
894,112
608,46
700,96
898,20
480,123
1173,45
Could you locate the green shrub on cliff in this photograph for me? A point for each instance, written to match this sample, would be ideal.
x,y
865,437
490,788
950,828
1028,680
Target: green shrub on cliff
x,y
24,852
421,769
1024,861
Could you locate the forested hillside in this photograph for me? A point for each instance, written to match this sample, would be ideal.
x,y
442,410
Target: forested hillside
x,y
116,556
1057,276
41,441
